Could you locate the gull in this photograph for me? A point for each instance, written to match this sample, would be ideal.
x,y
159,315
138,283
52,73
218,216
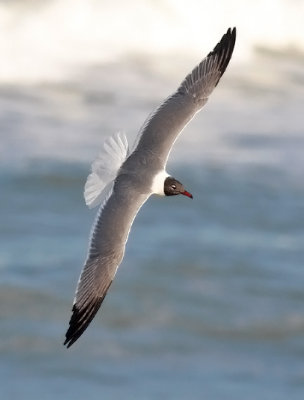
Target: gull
x,y
123,180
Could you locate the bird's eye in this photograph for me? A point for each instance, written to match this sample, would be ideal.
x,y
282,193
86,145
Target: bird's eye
x,y
173,187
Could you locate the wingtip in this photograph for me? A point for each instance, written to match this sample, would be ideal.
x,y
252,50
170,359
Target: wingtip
x,y
69,341
227,40
232,32
72,333
67,344
225,48
82,317
80,320
214,65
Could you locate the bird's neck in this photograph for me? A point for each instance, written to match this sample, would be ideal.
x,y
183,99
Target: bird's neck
x,y
158,183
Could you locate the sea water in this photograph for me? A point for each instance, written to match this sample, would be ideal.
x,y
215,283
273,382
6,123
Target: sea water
x,y
208,302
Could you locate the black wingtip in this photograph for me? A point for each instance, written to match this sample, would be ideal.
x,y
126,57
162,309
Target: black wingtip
x,y
82,317
80,320
224,49
227,39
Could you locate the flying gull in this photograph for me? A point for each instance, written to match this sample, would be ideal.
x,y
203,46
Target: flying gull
x,y
122,180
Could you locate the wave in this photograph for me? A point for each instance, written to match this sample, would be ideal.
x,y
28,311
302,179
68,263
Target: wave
x,y
47,41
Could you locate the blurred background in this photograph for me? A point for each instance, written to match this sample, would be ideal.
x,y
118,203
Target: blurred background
x,y
209,301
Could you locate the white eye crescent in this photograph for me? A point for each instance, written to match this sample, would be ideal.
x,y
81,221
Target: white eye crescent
x,y
173,187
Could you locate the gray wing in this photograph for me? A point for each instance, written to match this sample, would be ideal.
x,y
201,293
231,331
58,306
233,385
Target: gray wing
x,y
106,251
161,130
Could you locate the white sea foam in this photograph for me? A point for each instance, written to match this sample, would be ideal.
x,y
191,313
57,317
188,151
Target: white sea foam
x,y
142,51
47,40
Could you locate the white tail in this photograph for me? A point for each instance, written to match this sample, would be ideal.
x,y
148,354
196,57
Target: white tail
x,y
105,168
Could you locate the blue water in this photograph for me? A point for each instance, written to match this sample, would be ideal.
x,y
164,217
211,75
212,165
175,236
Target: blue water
x,y
208,302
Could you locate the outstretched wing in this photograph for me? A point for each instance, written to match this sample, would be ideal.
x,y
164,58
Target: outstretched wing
x,y
116,216
104,169
161,130
106,251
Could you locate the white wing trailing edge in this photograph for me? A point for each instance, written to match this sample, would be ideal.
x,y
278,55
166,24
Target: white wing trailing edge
x,y
105,168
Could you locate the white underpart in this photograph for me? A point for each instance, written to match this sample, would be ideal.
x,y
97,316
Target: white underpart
x,y
104,169
158,183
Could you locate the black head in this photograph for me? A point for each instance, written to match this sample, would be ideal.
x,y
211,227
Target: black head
x,y
173,187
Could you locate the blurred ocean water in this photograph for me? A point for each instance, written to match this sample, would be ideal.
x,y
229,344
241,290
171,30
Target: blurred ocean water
x,y
208,302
